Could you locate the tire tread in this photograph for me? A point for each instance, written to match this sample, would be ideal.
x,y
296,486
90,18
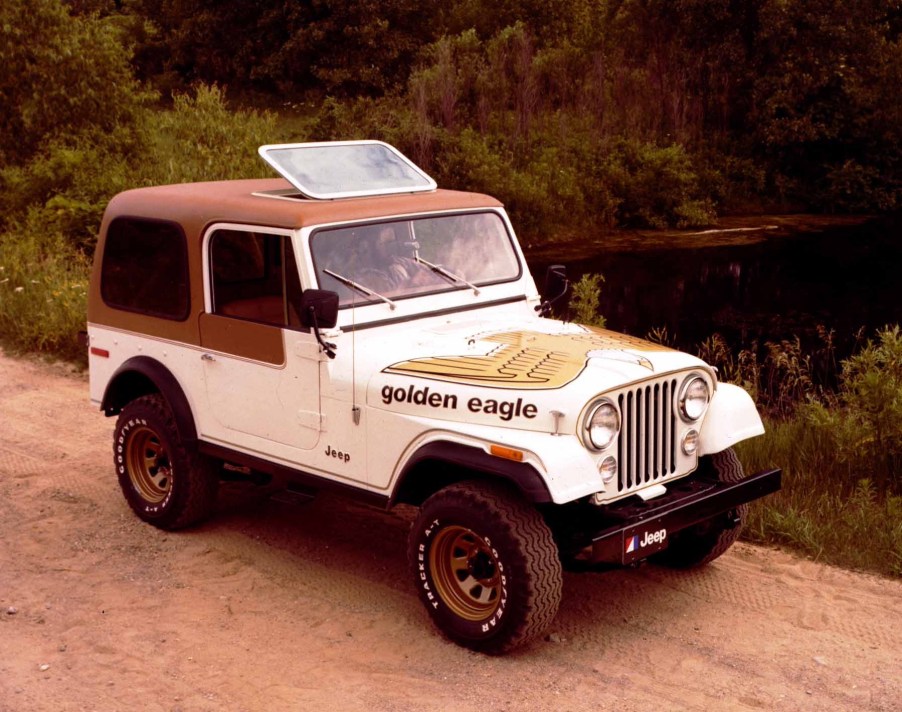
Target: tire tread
x,y
536,552
202,482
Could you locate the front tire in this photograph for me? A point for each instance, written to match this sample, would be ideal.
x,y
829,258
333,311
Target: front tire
x,y
165,482
486,566
701,544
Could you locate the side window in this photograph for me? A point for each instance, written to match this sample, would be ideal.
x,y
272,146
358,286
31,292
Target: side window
x,y
254,276
145,268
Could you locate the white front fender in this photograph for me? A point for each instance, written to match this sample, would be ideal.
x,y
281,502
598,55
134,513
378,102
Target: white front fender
x,y
731,418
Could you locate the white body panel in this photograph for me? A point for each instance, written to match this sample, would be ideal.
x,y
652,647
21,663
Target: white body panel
x,y
731,418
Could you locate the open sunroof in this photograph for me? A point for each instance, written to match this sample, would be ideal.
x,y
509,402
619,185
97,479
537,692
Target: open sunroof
x,y
346,169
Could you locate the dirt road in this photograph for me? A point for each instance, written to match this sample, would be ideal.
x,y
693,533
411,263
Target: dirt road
x,y
307,606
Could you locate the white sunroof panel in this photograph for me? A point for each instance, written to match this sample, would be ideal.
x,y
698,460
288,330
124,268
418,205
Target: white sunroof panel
x,y
346,169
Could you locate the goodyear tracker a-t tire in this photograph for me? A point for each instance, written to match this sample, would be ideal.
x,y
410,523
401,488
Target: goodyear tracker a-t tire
x,y
486,566
705,542
165,482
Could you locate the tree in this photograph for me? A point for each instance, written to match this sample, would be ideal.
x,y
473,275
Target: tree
x,y
63,78
824,108
346,47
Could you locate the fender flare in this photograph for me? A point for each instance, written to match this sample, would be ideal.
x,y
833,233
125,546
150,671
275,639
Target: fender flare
x,y
142,375
412,488
731,417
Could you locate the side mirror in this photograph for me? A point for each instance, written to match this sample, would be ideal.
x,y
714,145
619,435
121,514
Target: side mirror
x,y
556,282
319,308
557,287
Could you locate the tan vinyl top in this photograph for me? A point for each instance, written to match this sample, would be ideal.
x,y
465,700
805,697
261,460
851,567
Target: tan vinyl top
x,y
196,206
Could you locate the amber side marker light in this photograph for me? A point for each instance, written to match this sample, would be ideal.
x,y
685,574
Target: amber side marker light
x,y
508,453
99,352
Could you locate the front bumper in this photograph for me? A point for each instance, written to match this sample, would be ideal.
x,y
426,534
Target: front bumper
x,y
632,530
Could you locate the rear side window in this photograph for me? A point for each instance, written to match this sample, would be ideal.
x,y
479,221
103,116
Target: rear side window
x,y
145,268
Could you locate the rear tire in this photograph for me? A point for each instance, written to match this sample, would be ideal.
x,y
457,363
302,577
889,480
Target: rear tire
x,y
486,566
165,482
701,544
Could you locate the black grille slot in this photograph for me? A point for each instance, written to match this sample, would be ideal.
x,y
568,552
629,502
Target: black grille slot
x,y
647,447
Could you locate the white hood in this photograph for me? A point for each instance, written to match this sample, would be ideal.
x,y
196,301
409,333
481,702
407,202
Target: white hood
x,y
516,375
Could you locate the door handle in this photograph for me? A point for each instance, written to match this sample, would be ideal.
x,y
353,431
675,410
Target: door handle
x,y
207,357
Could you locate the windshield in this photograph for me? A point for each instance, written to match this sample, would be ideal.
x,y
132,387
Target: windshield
x,y
407,258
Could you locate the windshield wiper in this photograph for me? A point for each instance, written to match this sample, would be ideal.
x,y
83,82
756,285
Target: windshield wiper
x,y
359,287
439,270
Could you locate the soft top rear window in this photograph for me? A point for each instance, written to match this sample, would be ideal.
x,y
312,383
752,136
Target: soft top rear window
x,y
145,268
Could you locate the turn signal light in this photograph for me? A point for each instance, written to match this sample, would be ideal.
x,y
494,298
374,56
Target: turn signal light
x,y
508,453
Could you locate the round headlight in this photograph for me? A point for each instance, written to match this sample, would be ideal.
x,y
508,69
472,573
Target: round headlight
x,y
602,425
694,398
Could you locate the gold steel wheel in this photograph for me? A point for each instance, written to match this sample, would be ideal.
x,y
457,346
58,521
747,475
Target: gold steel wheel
x,y
466,573
148,464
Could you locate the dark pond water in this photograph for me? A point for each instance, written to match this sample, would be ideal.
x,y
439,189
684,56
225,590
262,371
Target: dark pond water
x,y
759,285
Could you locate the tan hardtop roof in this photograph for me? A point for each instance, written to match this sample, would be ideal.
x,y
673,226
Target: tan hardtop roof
x,y
197,205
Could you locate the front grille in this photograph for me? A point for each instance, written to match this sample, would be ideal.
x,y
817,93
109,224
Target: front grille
x,y
647,450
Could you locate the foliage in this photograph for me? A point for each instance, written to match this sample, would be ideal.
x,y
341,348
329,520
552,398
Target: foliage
x,y
223,143
725,106
71,119
840,446
657,186
840,450
781,375
69,184
65,79
65,187
629,113
827,509
344,46
585,301
864,419
43,287
819,105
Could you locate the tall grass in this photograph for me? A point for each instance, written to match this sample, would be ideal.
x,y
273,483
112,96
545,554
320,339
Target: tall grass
x,y
839,447
828,509
43,287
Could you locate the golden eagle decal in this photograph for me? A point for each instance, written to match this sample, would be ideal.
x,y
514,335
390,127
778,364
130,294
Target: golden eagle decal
x,y
529,360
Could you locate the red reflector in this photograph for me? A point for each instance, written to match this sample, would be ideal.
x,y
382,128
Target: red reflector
x,y
100,352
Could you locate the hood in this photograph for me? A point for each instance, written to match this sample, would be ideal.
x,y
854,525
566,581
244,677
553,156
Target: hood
x,y
529,359
534,367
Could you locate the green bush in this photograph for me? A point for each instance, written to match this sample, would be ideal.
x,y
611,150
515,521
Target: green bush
x,y
657,187
864,420
585,300
201,139
65,188
43,287
840,452
827,509
63,77
853,187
